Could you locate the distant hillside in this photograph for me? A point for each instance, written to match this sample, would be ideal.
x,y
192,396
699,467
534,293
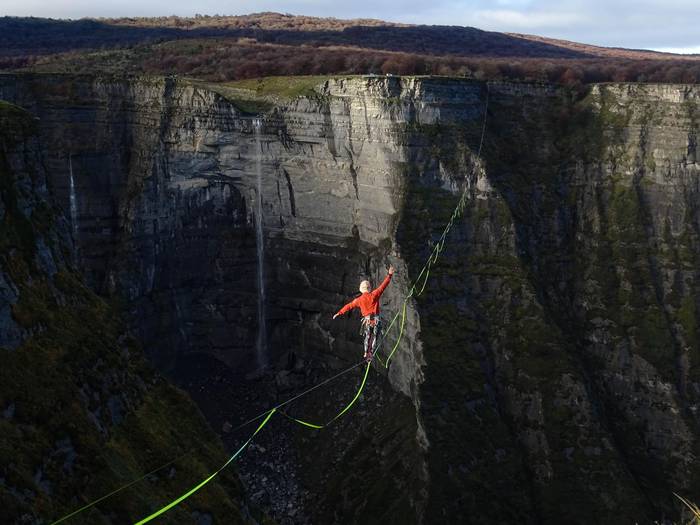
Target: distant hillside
x,y
222,48
440,40
606,52
28,35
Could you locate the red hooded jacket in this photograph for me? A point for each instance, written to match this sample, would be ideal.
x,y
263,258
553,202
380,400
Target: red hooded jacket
x,y
368,302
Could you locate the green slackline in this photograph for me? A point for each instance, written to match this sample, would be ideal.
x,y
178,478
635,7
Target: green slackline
x,y
123,487
424,274
261,415
339,414
200,485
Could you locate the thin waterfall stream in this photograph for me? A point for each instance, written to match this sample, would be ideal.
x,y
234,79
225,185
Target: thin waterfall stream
x,y
261,346
73,202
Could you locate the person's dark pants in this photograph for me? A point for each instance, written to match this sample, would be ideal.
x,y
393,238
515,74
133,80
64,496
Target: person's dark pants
x,y
372,327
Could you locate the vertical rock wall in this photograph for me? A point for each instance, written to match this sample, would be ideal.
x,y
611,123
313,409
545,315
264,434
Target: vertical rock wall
x,y
549,372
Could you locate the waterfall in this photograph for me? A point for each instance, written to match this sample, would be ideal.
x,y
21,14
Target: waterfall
x,y
261,346
73,202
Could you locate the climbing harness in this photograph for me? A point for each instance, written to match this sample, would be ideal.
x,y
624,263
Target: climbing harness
x,y
416,289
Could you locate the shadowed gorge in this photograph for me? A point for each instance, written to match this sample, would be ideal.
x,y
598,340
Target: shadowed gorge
x,y
548,373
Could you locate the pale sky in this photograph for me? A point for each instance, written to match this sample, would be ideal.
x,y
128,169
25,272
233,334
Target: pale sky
x,y
666,25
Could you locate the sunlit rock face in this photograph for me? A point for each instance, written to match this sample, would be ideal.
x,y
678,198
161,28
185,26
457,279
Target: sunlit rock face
x,y
548,373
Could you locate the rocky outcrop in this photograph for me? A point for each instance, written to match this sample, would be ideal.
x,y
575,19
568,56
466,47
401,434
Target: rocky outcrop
x,y
81,413
547,375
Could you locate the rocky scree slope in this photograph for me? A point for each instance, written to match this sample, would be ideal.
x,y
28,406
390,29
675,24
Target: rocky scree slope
x,y
81,413
549,373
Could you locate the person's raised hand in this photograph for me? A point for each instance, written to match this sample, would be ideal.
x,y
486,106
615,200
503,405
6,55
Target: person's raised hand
x,y
391,270
336,315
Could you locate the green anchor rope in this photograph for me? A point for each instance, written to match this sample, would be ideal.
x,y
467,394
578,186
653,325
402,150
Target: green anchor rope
x,y
339,414
194,489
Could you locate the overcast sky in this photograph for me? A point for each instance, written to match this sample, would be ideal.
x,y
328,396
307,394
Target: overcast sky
x,y
668,25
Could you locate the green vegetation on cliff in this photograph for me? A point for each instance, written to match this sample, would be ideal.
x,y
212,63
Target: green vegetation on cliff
x,y
259,95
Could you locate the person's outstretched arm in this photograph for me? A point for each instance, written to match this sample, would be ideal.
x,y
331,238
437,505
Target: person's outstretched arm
x,y
380,289
352,304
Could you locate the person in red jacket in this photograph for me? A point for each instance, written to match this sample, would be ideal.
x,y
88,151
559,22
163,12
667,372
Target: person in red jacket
x,y
368,303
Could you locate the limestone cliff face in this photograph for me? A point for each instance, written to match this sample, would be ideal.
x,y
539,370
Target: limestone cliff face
x,y
549,373
165,222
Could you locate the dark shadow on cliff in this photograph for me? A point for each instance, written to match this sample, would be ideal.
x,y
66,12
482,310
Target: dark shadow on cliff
x,y
503,329
538,158
476,465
